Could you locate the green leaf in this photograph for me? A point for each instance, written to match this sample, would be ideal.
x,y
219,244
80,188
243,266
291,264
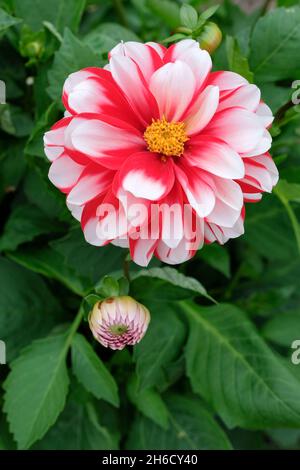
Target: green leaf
x,y
188,16
62,13
37,385
282,329
108,287
106,36
91,372
237,62
234,370
268,230
274,51
160,346
166,10
78,428
148,402
209,12
6,21
165,284
71,260
24,224
39,192
13,165
72,56
88,262
192,428
216,256
176,37
28,310
276,96
287,3
290,191
49,263
15,121
6,440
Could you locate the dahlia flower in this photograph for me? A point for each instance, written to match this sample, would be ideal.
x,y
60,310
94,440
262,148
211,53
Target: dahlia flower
x,y
119,321
159,154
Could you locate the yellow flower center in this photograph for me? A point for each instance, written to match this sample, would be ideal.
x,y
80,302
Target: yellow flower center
x,y
166,138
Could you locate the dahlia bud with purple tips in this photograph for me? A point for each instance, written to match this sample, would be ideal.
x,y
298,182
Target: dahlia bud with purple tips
x,y
119,321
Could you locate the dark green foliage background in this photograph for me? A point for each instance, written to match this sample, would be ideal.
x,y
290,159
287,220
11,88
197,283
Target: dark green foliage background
x,y
208,375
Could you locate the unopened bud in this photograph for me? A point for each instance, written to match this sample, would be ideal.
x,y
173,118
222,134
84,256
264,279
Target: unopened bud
x,y
119,321
211,37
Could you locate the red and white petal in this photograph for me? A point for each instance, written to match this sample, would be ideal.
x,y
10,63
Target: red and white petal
x,y
197,59
104,220
76,211
103,139
136,209
122,242
229,192
177,255
77,77
147,57
215,156
199,193
64,173
263,146
192,240
239,128
268,163
223,214
214,232
234,232
246,96
172,217
261,173
129,78
93,182
97,93
54,140
173,87
90,232
226,81
146,176
250,193
159,48
265,114
202,110
142,249
90,220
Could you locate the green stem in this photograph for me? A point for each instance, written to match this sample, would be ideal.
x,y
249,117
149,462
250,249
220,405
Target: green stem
x,y
126,264
118,6
279,116
292,216
73,328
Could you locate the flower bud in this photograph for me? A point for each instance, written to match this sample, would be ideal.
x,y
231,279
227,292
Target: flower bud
x,y
211,37
119,321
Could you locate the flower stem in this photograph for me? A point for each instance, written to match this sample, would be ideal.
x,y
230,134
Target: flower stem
x,y
292,216
73,328
126,264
